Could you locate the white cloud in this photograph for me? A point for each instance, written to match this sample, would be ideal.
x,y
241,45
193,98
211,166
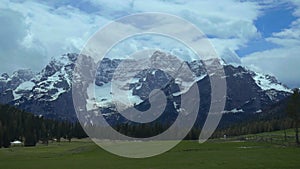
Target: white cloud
x,y
43,32
225,19
14,35
40,30
56,27
283,62
230,24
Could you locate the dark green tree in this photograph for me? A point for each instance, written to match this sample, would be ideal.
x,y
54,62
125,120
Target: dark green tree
x,y
1,133
30,129
293,111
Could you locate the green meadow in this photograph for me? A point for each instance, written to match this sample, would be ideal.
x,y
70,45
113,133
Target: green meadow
x,y
221,154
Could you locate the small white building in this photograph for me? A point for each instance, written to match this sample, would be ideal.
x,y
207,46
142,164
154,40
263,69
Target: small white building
x,y
16,143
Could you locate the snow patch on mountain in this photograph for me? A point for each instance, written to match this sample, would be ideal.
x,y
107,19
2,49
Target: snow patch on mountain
x,y
259,111
103,96
266,82
3,78
235,110
186,85
25,86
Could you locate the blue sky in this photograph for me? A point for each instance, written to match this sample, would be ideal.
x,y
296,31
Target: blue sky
x,y
265,34
272,19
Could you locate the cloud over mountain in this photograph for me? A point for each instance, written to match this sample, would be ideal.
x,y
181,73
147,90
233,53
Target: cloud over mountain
x,y
35,31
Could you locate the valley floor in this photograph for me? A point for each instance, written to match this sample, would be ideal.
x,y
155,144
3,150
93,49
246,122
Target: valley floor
x,y
186,155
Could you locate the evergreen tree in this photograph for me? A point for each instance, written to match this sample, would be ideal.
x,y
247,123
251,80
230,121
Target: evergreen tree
x,y
293,110
23,126
1,134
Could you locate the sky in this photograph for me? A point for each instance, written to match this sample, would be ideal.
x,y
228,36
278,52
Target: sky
x,y
261,35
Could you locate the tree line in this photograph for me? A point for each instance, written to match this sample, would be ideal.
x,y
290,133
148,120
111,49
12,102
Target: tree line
x,y
18,125
147,130
254,127
288,118
242,128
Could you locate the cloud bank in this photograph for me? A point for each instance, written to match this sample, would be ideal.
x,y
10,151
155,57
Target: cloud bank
x,y
35,31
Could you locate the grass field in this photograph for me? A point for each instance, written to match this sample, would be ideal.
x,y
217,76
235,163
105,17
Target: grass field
x,y
187,155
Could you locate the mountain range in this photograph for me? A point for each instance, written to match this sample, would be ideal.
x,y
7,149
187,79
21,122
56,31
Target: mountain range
x,y
49,92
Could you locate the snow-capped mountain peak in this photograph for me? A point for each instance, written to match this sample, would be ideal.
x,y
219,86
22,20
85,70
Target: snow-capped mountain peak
x,y
50,89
